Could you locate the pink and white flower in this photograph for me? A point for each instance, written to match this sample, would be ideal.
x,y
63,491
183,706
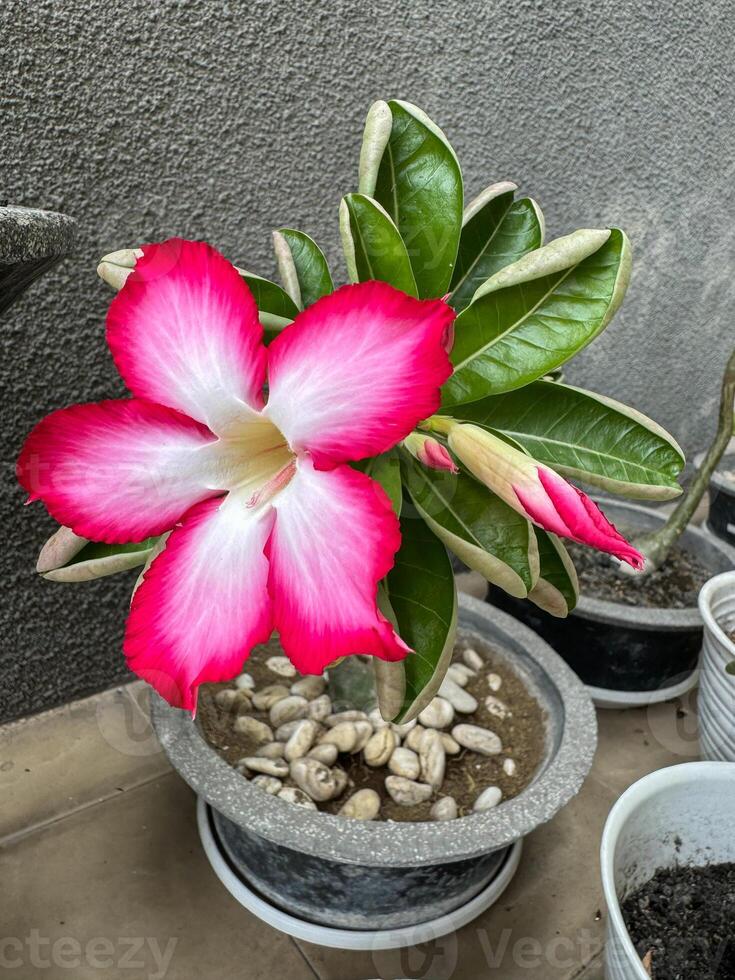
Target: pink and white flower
x,y
536,491
271,528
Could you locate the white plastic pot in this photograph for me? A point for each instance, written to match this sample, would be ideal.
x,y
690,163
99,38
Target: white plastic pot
x,y
676,816
716,686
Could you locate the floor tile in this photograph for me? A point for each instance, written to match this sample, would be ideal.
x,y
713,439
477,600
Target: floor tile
x,y
122,890
56,762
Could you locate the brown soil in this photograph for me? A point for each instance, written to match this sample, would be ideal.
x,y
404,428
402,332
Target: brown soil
x,y
681,921
467,774
675,585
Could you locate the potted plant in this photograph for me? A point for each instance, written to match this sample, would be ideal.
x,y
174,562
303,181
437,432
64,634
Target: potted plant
x,y
325,512
668,872
717,682
636,640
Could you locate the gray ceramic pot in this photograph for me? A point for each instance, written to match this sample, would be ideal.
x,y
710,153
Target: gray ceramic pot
x,y
629,655
360,875
31,242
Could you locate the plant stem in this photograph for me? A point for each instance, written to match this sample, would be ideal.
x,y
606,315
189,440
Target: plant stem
x,y
351,684
656,546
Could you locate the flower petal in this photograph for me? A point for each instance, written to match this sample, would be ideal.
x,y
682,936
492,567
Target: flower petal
x,y
119,471
357,370
184,332
334,538
203,604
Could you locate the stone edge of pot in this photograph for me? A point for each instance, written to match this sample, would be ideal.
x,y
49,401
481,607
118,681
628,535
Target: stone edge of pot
x,y
641,790
28,234
398,844
644,617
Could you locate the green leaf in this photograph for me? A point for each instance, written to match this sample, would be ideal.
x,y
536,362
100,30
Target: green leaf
x,y
496,231
269,296
419,184
730,668
272,326
557,589
96,560
386,470
534,315
372,245
479,527
302,267
423,595
378,126
585,436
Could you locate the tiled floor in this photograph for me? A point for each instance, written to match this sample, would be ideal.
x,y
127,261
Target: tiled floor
x,y
102,875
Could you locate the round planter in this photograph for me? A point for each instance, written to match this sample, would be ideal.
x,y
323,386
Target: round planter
x,y
629,656
381,876
680,815
31,243
721,515
716,686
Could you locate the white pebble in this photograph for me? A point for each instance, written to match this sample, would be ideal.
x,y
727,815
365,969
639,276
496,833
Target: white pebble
x,y
406,792
461,674
402,730
433,759
494,682
341,780
291,708
301,740
489,798
343,736
451,746
362,805
363,731
270,784
376,719
473,659
281,666
509,767
226,698
284,732
444,809
341,716
271,750
405,762
413,739
309,687
460,699
320,708
379,747
244,682
314,778
266,697
271,767
293,795
324,753
438,713
497,708
477,739
252,728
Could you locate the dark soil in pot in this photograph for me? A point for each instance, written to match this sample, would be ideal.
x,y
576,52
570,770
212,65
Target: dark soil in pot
x,y
675,585
513,716
682,923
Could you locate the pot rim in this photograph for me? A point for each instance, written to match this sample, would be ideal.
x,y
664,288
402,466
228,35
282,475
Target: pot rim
x,y
642,790
646,617
723,581
407,844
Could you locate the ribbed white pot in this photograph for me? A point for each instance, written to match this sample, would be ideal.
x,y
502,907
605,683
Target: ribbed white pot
x,y
680,815
716,686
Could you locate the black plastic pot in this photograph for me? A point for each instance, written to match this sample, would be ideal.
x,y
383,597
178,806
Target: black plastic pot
x,y
628,655
721,517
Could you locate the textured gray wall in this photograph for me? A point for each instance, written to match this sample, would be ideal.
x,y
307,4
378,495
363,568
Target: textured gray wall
x,y
223,120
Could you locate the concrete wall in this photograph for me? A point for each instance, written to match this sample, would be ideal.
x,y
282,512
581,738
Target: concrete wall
x,y
222,120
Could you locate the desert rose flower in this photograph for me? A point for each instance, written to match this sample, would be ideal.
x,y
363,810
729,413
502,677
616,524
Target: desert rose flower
x,y
271,528
429,452
536,491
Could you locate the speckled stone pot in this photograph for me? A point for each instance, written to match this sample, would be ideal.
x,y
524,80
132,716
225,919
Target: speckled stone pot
x,y
381,875
628,649
31,242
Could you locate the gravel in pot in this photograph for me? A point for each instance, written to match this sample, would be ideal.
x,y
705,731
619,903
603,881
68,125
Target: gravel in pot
x,y
383,874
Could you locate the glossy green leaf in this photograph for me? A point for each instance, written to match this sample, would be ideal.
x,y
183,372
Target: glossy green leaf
x,y
96,560
585,436
730,668
272,326
378,126
302,266
480,528
386,470
534,315
496,231
419,183
423,595
269,296
557,589
372,245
